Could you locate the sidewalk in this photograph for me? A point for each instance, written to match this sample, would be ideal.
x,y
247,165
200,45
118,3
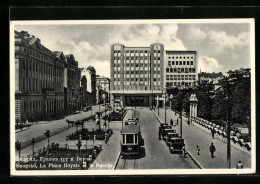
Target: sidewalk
x,y
195,135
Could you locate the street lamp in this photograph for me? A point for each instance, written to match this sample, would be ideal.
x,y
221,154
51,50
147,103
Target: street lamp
x,y
158,104
47,134
18,147
79,144
181,122
33,142
171,98
164,96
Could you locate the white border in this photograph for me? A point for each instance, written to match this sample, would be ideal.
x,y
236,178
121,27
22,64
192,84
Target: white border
x,y
14,172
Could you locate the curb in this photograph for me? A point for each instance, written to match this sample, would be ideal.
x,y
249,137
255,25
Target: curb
x,y
195,160
116,162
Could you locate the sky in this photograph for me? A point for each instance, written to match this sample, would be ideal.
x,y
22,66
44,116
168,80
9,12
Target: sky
x,y
220,46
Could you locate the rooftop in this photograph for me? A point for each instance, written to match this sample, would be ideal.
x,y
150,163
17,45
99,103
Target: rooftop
x,y
131,129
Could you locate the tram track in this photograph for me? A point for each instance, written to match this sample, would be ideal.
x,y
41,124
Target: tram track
x,y
127,163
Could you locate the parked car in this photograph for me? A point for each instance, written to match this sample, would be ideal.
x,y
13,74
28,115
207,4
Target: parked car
x,y
176,145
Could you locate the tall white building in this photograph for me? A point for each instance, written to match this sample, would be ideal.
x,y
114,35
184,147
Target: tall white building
x,y
181,68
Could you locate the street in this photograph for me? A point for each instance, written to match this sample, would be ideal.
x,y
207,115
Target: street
x,y
157,154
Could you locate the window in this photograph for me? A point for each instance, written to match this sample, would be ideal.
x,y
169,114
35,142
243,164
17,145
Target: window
x,y
169,57
172,62
188,63
171,69
172,57
184,63
176,62
175,70
129,138
191,57
180,62
136,65
180,57
167,70
191,63
154,79
169,63
183,57
177,57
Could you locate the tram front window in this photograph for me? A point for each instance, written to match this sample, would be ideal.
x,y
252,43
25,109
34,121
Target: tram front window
x,y
129,139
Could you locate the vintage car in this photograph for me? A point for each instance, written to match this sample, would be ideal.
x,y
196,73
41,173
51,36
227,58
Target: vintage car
x,y
169,136
176,145
167,130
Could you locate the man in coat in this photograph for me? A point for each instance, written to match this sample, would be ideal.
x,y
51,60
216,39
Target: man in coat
x,y
212,149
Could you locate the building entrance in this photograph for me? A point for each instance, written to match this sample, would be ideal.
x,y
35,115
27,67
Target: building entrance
x,y
136,101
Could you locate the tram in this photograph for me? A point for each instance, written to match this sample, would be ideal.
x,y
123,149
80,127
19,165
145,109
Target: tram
x,y
132,139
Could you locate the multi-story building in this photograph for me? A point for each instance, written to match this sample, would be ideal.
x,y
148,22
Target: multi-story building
x,y
136,74
211,77
103,88
39,76
181,70
90,74
71,84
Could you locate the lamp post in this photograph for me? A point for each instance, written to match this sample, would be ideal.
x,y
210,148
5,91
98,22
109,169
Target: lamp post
x,y
158,104
33,142
165,96
79,144
47,134
18,147
171,98
228,129
181,122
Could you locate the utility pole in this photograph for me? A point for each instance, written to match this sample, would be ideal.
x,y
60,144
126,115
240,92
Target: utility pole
x,y
228,130
165,108
181,124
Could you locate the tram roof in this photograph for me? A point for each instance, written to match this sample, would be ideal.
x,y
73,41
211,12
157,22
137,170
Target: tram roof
x,y
130,129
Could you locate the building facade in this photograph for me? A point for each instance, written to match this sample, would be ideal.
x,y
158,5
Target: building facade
x,y
181,70
71,84
90,74
211,77
136,74
103,88
39,78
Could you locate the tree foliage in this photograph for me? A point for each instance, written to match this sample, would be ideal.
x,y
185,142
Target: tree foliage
x,y
213,104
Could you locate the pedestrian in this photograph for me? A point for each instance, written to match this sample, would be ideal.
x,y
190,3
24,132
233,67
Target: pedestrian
x,y
198,150
177,121
188,122
212,133
212,149
106,140
171,122
239,165
159,134
184,150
